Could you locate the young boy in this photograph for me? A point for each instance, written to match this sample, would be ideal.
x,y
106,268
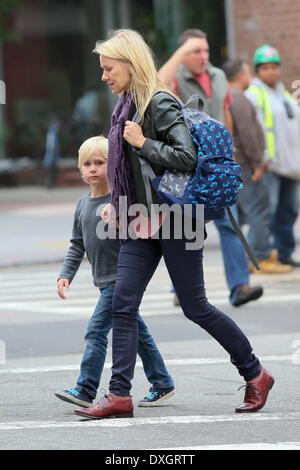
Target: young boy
x,y
103,256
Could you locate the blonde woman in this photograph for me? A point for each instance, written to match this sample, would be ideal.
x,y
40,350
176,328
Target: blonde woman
x,y
163,139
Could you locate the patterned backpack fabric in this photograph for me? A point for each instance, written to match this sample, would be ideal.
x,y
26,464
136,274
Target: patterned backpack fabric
x,y
216,179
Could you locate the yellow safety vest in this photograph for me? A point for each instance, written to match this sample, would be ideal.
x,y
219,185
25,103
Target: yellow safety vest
x,y
264,103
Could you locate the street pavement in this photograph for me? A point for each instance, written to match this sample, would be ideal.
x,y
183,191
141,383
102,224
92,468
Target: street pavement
x,y
43,340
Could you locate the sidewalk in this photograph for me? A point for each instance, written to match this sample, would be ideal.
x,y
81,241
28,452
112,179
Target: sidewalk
x,y
36,224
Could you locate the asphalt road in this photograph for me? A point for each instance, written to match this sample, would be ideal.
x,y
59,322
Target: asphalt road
x,y
43,337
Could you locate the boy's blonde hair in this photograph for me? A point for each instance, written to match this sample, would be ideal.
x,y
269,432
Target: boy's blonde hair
x,y
128,46
90,146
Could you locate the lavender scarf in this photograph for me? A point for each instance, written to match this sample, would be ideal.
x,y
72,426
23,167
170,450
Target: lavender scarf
x,y
118,170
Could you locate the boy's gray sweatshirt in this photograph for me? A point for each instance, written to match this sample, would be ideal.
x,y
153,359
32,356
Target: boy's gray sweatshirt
x,y
101,253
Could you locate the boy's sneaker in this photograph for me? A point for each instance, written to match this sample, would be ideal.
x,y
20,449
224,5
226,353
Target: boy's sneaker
x,y
157,396
75,397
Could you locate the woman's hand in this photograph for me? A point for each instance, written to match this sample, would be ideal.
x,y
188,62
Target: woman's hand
x,y
133,134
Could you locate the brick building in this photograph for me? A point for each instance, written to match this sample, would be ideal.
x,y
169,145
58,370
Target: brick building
x,y
275,22
47,67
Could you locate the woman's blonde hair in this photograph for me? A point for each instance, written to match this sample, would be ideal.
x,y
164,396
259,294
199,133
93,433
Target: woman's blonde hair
x,y
92,145
128,46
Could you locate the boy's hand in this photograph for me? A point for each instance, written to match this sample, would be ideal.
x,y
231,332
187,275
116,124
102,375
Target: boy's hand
x,y
133,134
61,285
105,213
108,215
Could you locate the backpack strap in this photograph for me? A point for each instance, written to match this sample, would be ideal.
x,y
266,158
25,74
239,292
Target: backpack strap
x,y
195,97
147,175
243,239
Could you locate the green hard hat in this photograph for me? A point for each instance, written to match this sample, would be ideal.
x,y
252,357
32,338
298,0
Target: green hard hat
x,y
266,54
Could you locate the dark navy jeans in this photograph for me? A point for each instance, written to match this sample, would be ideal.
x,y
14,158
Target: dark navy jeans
x,y
255,209
96,345
284,206
138,260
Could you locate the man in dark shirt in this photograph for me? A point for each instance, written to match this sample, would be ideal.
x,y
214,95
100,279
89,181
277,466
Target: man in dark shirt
x,y
249,147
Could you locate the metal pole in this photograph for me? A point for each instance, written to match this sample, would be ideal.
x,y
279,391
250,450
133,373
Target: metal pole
x,y
124,13
108,25
230,28
177,9
108,16
2,103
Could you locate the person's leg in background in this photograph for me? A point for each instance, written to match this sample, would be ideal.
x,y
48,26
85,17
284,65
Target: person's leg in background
x,y
254,204
284,219
236,263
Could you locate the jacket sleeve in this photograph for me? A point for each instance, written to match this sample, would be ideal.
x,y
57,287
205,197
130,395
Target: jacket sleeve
x,y
249,132
172,147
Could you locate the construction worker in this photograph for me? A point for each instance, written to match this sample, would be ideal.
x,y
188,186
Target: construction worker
x,y
279,115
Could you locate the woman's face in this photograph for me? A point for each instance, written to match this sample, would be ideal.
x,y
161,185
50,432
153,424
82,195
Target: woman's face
x,y
116,74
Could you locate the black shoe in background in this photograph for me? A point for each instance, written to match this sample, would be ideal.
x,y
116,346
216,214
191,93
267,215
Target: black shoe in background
x,y
246,293
290,261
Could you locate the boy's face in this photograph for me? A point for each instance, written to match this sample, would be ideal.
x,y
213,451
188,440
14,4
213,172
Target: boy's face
x,y
94,170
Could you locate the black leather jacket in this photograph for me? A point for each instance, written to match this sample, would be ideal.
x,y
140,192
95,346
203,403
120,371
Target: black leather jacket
x,y
168,143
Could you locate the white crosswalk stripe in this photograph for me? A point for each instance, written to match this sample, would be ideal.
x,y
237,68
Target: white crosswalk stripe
x,y
33,289
161,420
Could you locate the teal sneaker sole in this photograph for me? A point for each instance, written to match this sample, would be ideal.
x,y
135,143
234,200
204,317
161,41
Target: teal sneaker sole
x,y
156,402
73,400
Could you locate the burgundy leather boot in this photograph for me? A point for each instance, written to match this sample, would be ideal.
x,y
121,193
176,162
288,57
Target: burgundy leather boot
x,y
109,406
256,393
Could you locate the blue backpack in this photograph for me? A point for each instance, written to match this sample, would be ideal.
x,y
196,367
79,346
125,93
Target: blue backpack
x,y
216,179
